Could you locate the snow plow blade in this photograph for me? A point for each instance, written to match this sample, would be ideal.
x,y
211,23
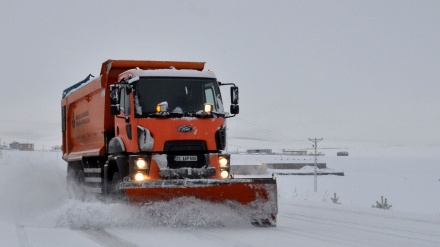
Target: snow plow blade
x,y
259,195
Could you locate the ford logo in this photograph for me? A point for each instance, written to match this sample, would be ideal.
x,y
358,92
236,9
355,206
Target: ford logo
x,y
185,128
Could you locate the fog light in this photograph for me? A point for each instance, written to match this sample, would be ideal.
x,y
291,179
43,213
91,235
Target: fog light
x,y
139,176
223,162
141,164
224,174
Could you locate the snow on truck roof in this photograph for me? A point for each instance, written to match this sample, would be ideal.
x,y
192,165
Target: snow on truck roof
x,y
75,86
171,72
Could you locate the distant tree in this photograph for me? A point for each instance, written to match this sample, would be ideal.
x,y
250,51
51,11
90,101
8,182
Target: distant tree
x,y
335,199
383,204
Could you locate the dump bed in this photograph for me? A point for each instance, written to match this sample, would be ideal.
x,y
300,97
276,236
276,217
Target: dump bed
x,y
86,120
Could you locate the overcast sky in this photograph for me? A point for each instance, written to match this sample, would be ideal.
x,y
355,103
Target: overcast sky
x,y
341,70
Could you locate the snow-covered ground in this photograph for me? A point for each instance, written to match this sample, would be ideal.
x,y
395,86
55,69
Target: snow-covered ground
x,y
34,209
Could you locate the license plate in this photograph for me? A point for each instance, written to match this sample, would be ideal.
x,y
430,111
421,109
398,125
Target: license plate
x,y
185,158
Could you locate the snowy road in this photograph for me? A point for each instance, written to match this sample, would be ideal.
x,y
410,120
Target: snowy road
x,y
336,225
40,215
301,223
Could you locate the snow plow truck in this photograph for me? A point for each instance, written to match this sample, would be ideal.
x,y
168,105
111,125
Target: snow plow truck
x,y
146,131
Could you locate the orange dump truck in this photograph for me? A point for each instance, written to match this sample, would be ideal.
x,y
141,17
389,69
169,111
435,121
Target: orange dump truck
x,y
156,130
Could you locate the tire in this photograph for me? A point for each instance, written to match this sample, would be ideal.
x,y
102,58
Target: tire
x,y
114,186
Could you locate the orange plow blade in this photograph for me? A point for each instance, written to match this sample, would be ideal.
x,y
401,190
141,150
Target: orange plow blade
x,y
258,194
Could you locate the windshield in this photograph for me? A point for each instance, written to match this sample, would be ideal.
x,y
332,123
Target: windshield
x,y
184,96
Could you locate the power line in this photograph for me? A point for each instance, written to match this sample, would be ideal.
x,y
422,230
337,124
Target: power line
x,y
315,140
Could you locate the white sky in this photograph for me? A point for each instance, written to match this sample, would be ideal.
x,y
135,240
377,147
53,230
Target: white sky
x,y
341,70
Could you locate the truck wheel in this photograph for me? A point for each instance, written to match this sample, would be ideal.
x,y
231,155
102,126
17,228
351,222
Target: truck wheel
x,y
114,188
116,179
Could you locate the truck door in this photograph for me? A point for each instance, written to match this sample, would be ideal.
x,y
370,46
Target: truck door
x,y
124,128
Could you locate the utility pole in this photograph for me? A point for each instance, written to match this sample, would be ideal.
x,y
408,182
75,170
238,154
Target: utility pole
x,y
315,140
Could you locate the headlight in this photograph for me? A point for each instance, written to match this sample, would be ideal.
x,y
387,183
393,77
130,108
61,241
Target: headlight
x,y
139,167
139,176
141,164
223,162
224,165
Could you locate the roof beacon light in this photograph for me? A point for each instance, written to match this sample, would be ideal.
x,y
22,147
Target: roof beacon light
x,y
162,107
208,108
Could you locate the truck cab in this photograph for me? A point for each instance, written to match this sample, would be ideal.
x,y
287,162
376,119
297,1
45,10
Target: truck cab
x,y
173,121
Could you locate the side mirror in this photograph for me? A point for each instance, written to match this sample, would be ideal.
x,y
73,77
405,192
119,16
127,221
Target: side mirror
x,y
234,96
115,109
235,109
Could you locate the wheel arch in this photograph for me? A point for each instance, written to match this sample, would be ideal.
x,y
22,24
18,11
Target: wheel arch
x,y
116,145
